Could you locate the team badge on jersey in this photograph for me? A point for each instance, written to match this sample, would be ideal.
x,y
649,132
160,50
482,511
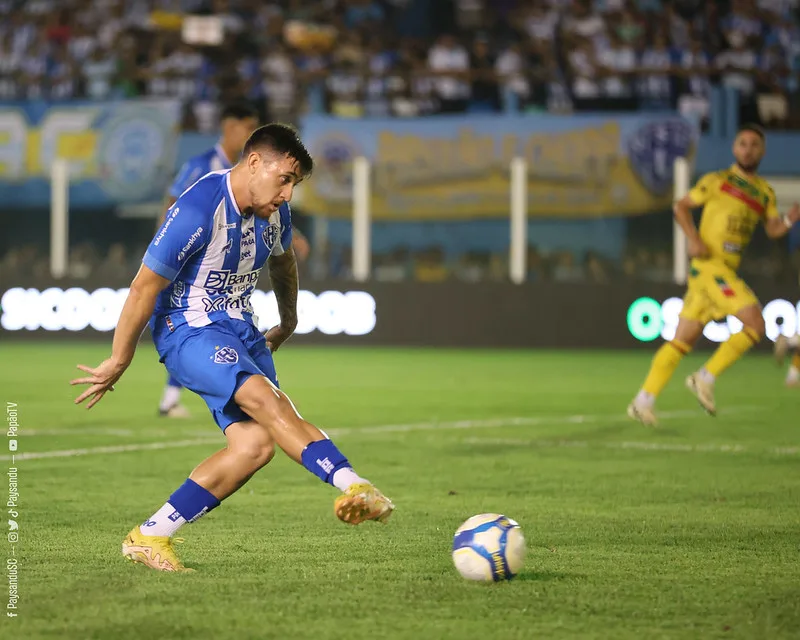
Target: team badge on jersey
x,y
271,235
653,148
226,355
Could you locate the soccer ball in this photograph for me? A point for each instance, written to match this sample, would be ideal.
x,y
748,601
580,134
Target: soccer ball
x,y
489,547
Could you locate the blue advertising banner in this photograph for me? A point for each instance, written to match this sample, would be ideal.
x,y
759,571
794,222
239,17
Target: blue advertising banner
x,y
118,152
457,167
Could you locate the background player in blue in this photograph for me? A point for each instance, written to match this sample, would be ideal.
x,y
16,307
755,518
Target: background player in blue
x,y
194,288
237,121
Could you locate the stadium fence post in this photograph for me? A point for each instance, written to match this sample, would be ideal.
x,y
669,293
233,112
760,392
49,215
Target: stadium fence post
x,y
361,219
680,249
59,217
518,250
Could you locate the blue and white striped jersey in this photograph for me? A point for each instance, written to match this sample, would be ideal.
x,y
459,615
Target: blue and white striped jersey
x,y
195,168
213,255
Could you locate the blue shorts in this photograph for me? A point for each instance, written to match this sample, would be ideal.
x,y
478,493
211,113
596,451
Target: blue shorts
x,y
215,360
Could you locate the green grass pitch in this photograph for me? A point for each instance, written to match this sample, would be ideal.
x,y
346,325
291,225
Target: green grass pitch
x,y
688,531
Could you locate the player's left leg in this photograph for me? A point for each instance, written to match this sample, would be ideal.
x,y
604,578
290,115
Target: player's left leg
x,y
249,448
701,383
170,405
694,315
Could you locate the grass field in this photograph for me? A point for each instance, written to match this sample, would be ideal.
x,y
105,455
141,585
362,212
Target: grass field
x,y
689,531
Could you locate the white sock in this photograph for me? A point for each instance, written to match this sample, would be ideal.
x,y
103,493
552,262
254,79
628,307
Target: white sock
x,y
645,399
706,376
170,398
793,375
794,341
164,522
345,477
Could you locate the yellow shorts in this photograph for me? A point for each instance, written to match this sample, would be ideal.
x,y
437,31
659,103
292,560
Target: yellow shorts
x,y
715,292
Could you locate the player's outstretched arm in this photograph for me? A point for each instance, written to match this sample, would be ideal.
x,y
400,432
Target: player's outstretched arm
x,y
778,226
283,275
136,312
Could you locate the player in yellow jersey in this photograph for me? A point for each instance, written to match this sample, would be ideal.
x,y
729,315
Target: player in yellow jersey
x,y
734,201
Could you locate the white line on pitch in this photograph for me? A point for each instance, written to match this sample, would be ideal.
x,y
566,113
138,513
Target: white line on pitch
x,y
490,423
640,446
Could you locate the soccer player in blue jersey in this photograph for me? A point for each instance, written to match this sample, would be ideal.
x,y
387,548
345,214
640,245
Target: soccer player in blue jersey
x,y
237,121
194,288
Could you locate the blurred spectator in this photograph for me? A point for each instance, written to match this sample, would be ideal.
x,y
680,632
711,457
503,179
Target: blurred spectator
x,y
485,94
450,63
655,84
429,265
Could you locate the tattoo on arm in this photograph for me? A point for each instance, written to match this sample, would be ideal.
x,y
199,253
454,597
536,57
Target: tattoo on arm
x,y
283,275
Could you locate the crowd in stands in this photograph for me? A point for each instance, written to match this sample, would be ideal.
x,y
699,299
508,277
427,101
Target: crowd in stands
x,y
406,57
402,58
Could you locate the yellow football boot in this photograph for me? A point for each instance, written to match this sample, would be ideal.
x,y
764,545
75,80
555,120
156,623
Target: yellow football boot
x,y
155,552
362,502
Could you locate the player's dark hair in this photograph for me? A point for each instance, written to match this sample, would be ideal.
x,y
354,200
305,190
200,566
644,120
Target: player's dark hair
x,y
750,126
283,140
238,111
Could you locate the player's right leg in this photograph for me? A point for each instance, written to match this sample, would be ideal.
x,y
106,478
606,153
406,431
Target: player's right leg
x,y
307,445
170,405
702,383
666,360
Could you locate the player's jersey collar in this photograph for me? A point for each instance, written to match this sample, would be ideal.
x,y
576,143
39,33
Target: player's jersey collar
x,y
221,155
736,170
230,193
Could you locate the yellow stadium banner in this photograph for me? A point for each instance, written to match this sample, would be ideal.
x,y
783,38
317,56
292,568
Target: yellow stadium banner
x,y
448,167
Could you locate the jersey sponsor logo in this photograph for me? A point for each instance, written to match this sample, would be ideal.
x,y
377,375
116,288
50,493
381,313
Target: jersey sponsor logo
x,y
271,235
192,239
731,247
178,289
220,280
226,355
168,222
224,303
247,254
653,148
220,227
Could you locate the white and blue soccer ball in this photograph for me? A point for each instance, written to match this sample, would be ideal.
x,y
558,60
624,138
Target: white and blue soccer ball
x,y
489,547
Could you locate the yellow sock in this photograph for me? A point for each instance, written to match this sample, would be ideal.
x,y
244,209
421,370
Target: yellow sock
x,y
796,360
730,351
664,364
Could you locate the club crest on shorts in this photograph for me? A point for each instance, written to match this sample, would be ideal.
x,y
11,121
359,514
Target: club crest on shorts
x,y
226,355
271,235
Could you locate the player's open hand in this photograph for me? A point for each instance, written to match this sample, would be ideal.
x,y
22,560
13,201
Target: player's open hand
x,y
101,379
698,248
276,337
